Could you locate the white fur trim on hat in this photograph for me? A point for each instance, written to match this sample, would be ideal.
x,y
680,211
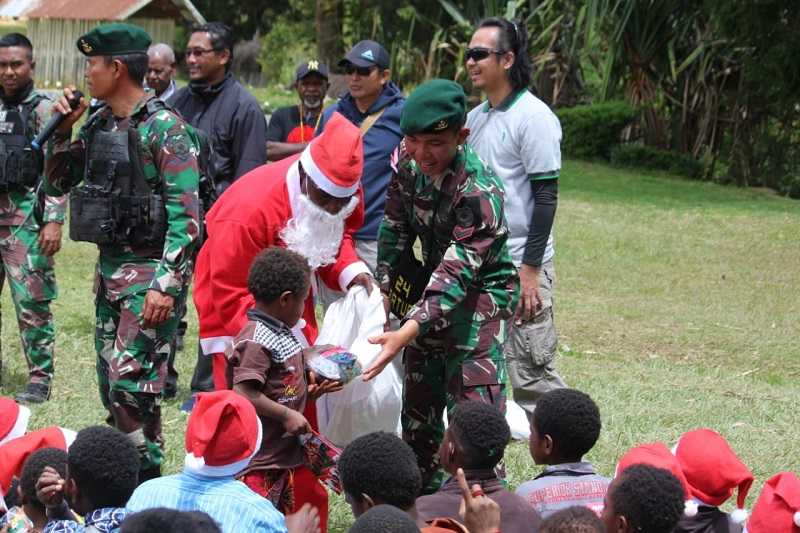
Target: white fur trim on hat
x,y
690,508
197,465
20,425
69,436
321,180
739,515
796,518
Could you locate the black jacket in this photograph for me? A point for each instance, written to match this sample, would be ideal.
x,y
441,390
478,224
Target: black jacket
x,y
232,119
708,520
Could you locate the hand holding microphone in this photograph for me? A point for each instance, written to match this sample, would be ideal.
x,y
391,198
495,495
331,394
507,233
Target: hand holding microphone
x,y
66,111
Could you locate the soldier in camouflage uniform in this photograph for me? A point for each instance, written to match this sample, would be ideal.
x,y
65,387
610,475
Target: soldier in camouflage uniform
x,y
140,281
444,195
27,240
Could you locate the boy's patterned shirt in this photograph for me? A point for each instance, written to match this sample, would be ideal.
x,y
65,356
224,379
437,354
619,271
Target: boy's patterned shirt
x,y
104,520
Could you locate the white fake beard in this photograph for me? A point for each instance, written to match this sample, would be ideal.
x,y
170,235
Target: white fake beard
x,y
314,233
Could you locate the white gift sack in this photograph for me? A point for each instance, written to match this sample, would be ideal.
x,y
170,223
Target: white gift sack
x,y
517,421
360,407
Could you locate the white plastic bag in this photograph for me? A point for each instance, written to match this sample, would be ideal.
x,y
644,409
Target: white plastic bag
x,y
360,407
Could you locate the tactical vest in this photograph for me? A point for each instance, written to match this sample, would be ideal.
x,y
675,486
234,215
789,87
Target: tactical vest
x,y
19,163
115,205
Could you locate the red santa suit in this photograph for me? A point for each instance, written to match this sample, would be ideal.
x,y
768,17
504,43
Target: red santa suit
x,y
250,216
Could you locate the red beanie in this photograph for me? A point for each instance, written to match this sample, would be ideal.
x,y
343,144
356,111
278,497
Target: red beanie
x,y
223,434
778,507
335,159
712,470
13,419
14,453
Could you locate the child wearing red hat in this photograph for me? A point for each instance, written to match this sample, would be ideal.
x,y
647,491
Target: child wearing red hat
x,y
648,493
777,509
267,366
712,471
31,515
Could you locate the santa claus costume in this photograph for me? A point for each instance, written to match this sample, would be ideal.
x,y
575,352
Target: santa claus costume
x,y
256,212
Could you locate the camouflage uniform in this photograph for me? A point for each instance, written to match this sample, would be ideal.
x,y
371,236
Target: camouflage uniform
x,y
466,306
131,362
30,273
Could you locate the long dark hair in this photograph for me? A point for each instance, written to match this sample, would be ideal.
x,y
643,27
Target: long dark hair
x,y
513,37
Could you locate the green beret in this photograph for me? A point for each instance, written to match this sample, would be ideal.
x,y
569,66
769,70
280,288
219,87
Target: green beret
x,y
114,39
434,106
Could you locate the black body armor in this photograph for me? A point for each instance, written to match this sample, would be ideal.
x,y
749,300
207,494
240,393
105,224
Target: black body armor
x,y
19,163
115,204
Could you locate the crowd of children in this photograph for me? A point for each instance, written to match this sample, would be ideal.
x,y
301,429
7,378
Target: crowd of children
x,y
247,469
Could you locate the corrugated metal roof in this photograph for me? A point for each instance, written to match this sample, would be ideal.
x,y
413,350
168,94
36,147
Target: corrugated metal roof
x,y
85,9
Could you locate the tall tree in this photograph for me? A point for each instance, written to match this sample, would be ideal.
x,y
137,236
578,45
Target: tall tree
x,y
330,47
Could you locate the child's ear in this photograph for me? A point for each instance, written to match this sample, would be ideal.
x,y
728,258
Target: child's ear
x,y
20,495
548,444
285,298
621,524
367,502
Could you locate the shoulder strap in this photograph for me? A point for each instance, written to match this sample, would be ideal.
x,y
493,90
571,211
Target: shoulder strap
x,y
370,121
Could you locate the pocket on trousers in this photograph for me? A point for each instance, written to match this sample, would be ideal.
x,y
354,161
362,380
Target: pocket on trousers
x,y
478,372
540,338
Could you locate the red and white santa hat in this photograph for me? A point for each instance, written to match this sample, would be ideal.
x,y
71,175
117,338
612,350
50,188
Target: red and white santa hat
x,y
15,452
712,470
658,455
13,419
777,509
335,159
223,434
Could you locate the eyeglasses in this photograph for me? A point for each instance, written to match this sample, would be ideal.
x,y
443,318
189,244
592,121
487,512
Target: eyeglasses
x,y
199,52
351,69
479,53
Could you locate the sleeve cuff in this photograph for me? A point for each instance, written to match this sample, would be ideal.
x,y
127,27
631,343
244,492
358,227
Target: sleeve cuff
x,y
167,283
351,271
421,317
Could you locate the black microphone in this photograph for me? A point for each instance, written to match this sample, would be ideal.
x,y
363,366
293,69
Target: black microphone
x,y
54,122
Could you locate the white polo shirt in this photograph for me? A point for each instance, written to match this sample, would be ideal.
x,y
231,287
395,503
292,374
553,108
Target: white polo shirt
x,y
521,141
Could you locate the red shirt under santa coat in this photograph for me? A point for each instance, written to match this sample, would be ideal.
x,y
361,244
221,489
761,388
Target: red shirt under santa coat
x,y
246,219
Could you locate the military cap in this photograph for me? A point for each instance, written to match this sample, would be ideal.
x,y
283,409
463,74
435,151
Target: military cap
x,y
434,106
114,39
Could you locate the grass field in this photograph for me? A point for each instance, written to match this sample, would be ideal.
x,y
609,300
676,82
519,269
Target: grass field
x,y
677,306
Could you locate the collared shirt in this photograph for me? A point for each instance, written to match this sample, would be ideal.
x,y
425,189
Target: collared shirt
x,y
104,520
516,515
564,485
169,91
229,502
520,140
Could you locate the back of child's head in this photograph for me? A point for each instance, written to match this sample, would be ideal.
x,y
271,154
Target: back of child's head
x,y
275,271
576,519
380,465
384,519
34,465
104,465
166,520
481,433
651,499
572,420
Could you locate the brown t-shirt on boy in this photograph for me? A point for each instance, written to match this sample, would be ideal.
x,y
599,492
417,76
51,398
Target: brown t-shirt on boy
x,y
267,352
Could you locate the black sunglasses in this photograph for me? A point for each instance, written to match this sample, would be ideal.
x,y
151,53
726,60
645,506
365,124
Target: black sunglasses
x,y
479,53
351,69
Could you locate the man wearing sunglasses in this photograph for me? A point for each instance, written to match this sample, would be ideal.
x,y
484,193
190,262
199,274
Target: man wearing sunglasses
x,y
220,106
519,137
373,103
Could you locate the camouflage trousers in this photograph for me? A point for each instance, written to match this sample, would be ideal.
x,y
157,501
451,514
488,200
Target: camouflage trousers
x,y
131,370
443,368
32,281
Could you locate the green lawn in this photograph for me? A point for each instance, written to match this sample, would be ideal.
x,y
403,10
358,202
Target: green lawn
x,y
676,304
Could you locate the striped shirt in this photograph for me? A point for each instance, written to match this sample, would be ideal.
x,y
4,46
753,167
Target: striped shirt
x,y
229,502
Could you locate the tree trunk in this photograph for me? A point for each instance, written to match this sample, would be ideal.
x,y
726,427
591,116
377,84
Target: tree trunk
x,y
330,47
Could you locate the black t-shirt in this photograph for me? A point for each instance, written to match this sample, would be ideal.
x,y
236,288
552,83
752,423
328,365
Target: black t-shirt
x,y
286,119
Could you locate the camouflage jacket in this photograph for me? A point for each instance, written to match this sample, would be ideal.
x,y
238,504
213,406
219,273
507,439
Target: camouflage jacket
x,y
467,250
169,157
16,206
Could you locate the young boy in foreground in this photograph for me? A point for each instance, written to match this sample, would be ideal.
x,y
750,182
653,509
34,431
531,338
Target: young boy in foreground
x,y
565,426
31,515
267,366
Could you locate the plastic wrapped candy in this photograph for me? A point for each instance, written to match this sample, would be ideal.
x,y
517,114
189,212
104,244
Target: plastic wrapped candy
x,y
336,364
321,456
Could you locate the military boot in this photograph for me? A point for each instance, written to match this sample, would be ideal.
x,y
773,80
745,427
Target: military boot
x,y
34,393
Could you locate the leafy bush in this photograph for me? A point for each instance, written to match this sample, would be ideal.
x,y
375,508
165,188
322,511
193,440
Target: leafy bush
x,y
591,131
640,156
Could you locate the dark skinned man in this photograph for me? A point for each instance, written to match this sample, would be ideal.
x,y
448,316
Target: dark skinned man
x,y
27,242
292,128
